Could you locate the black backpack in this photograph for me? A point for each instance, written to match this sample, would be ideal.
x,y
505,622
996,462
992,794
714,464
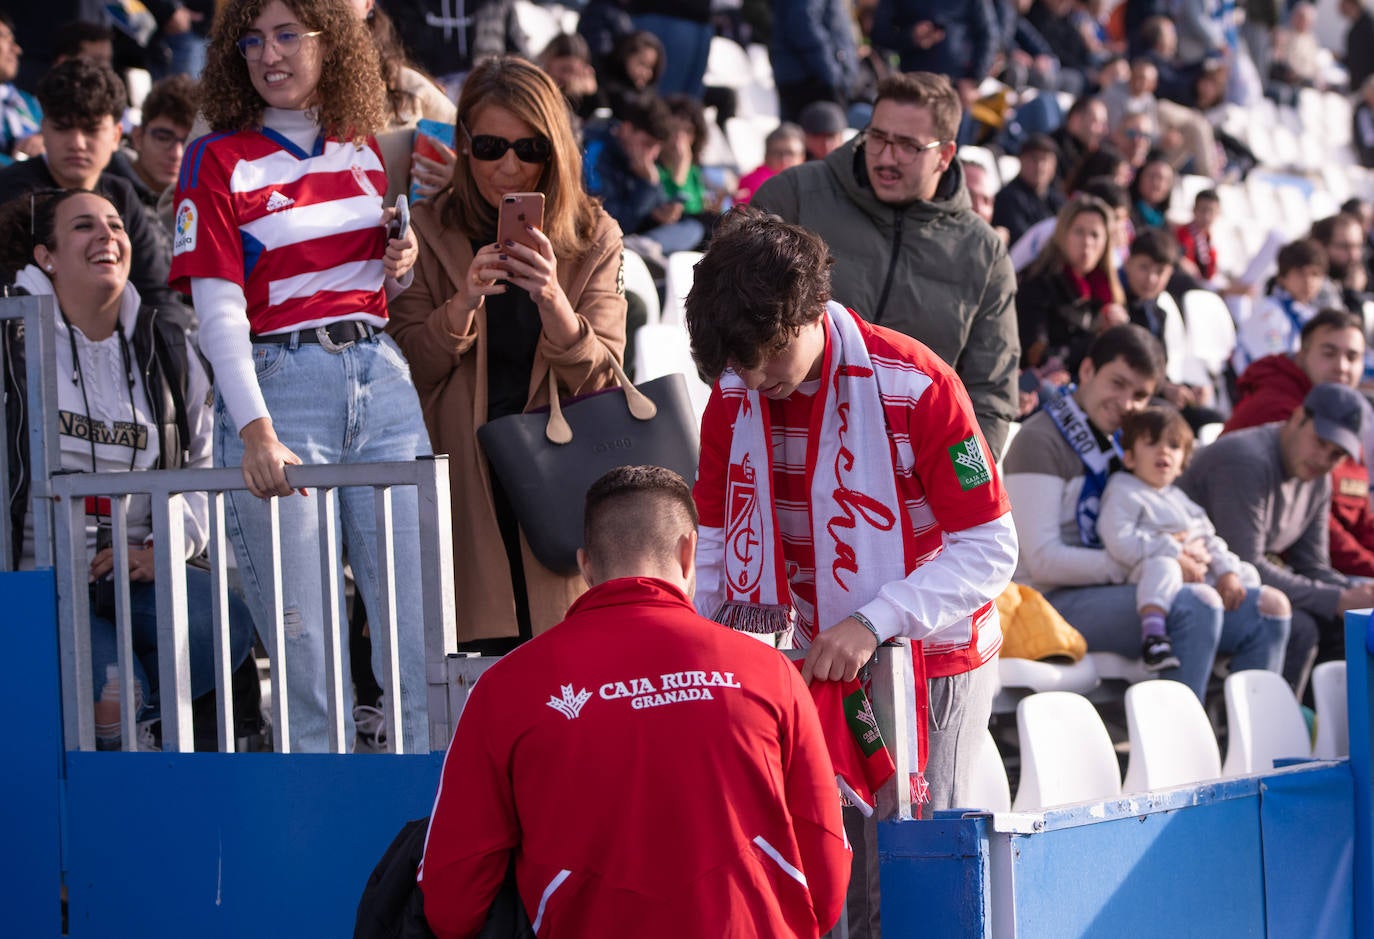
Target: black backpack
x,y
392,906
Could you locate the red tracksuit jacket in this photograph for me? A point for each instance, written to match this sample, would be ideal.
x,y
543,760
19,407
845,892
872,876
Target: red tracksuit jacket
x,y
655,774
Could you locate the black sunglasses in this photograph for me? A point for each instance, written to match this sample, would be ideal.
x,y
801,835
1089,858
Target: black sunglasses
x,y
489,147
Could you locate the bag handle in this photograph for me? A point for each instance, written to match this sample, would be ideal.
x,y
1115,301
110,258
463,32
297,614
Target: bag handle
x,y
559,431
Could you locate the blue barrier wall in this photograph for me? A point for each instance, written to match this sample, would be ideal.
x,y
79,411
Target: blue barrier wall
x,y
232,845
31,757
209,845
1260,855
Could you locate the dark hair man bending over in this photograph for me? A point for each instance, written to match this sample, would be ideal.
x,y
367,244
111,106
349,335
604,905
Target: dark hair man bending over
x,y
654,774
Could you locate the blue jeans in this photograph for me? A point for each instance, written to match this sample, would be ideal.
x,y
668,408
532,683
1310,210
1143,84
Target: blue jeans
x,y
1196,623
682,235
187,54
200,638
354,406
688,44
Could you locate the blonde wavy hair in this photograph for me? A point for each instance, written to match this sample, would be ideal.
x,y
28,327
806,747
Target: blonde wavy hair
x,y
351,98
526,91
1052,257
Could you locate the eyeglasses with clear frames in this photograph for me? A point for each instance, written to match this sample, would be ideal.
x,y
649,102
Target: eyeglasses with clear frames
x,y
904,149
286,41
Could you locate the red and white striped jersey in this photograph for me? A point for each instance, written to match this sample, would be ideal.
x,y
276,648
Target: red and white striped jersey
x,y
301,232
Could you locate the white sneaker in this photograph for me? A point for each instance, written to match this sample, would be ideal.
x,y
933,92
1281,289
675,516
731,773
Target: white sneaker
x,y
371,726
150,736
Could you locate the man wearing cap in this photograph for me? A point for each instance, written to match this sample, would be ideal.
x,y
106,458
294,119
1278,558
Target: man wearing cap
x,y
909,252
1268,492
1031,196
824,126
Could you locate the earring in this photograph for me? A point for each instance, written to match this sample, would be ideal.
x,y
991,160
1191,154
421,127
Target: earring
x,y
48,268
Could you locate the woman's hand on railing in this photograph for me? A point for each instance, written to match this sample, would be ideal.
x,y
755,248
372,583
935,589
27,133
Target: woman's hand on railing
x,y
265,459
536,271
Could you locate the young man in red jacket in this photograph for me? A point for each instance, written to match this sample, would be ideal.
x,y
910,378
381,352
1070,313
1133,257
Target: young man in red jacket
x,y
653,773
1271,388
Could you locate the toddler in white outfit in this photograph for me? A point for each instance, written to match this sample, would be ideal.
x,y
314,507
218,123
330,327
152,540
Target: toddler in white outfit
x,y
1160,536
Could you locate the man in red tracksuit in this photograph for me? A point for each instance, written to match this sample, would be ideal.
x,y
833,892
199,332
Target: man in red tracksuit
x,y
654,773
1271,388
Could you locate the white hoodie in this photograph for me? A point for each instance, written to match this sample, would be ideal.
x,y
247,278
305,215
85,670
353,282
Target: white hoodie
x,y
120,421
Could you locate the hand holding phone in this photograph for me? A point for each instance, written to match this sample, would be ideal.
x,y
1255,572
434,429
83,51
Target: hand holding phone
x,y
399,226
518,210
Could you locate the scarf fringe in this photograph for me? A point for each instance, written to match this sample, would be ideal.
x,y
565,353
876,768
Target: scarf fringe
x,y
753,617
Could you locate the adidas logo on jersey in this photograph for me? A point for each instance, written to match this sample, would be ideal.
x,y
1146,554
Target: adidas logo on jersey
x,y
278,201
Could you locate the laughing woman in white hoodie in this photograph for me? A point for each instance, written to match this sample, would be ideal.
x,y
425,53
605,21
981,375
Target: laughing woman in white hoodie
x,y
131,395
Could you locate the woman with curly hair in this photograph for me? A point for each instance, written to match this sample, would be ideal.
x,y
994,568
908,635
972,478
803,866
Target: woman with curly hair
x,y
484,324
281,238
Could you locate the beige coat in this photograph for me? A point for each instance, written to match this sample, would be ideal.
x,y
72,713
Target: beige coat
x,y
450,374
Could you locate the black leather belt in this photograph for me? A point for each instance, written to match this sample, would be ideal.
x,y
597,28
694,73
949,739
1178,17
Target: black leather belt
x,y
335,337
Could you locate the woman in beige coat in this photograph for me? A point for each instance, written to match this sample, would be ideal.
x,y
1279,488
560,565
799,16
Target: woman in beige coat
x,y
483,324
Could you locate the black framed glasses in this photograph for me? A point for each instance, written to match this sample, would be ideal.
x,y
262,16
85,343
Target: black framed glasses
x,y
904,149
287,42
164,136
489,147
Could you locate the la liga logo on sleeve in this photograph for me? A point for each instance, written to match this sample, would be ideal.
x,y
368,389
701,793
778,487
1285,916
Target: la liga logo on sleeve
x,y
184,238
970,463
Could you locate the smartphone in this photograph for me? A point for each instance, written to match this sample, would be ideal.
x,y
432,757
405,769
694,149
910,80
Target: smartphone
x,y
519,209
399,226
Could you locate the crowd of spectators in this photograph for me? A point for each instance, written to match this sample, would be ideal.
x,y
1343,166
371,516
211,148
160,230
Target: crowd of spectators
x,y
1039,192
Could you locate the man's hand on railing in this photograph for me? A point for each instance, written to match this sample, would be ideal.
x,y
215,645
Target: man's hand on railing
x,y
839,652
265,459
141,563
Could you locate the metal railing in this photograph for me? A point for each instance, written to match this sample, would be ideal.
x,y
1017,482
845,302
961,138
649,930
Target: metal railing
x,y
892,694
37,314
164,488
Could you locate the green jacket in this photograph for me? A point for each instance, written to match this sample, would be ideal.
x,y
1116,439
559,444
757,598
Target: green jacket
x,y
932,270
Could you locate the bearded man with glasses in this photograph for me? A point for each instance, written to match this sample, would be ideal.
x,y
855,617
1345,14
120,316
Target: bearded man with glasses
x,y
910,254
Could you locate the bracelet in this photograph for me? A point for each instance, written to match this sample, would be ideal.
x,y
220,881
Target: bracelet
x,y
866,623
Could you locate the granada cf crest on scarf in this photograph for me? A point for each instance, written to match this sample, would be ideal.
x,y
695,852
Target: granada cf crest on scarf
x,y
743,528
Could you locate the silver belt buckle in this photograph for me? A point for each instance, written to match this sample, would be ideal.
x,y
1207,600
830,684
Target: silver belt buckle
x,y
327,341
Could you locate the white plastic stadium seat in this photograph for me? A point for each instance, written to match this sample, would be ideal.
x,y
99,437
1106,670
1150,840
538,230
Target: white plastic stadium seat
x,y
1333,721
1066,755
664,348
677,283
539,24
1211,336
746,136
1172,743
989,789
1111,666
1264,723
640,282
727,64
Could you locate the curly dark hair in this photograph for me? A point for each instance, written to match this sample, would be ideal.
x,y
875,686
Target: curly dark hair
x,y
79,93
351,95
28,221
760,282
175,98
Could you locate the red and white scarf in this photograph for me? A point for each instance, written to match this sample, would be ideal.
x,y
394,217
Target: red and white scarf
x,y
857,518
